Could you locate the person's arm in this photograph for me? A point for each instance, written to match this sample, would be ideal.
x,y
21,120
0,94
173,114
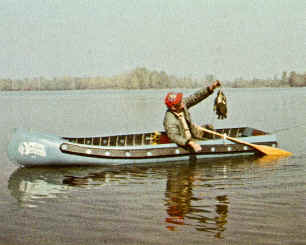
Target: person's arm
x,y
200,95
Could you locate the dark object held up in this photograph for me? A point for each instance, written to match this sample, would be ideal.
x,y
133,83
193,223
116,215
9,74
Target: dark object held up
x,y
220,105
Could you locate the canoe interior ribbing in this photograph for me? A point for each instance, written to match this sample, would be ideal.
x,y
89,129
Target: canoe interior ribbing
x,y
154,137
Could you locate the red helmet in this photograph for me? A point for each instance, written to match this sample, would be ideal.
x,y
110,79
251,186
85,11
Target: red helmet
x,y
173,99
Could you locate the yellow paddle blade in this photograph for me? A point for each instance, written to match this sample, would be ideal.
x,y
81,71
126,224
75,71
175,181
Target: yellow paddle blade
x,y
271,151
269,159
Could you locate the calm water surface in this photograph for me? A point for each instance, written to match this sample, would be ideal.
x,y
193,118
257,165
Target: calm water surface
x,y
230,201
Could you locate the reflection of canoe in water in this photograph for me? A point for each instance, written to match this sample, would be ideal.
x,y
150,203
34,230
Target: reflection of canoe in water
x,y
29,185
35,149
185,194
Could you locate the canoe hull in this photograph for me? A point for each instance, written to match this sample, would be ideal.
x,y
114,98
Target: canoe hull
x,y
28,148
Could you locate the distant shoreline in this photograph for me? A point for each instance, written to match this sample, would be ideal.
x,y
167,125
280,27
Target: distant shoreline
x,y
142,78
143,89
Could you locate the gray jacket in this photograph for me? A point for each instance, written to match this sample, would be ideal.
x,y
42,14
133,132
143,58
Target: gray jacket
x,y
172,124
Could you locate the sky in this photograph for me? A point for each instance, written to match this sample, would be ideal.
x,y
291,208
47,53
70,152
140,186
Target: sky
x,y
194,38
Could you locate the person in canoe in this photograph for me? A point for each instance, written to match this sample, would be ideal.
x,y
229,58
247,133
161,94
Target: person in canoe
x,y
177,121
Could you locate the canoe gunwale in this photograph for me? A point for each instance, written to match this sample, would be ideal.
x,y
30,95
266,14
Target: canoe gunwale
x,y
157,138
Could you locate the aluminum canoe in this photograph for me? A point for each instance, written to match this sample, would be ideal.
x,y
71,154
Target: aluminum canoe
x,y
30,148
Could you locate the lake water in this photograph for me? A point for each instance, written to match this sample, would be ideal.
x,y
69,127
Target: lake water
x,y
230,201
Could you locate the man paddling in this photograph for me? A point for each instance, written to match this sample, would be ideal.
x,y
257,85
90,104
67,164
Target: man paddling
x,y
177,121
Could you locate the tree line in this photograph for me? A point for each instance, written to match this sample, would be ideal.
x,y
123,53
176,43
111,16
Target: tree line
x,y
291,79
142,78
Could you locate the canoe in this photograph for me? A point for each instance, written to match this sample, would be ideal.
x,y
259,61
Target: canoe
x,y
29,148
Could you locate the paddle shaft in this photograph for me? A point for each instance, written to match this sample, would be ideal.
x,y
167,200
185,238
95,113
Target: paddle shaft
x,y
224,136
263,149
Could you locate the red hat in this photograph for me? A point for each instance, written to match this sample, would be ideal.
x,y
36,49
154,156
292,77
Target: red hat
x,y
173,99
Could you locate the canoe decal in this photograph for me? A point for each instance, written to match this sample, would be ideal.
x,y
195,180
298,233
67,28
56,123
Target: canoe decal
x,y
32,148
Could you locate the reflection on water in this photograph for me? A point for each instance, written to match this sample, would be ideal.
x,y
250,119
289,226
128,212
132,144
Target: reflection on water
x,y
182,203
31,185
195,194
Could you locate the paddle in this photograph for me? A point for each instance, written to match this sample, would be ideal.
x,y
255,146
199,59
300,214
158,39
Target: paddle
x,y
263,149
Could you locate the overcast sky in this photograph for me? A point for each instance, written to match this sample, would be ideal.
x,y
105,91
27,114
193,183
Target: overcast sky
x,y
228,38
